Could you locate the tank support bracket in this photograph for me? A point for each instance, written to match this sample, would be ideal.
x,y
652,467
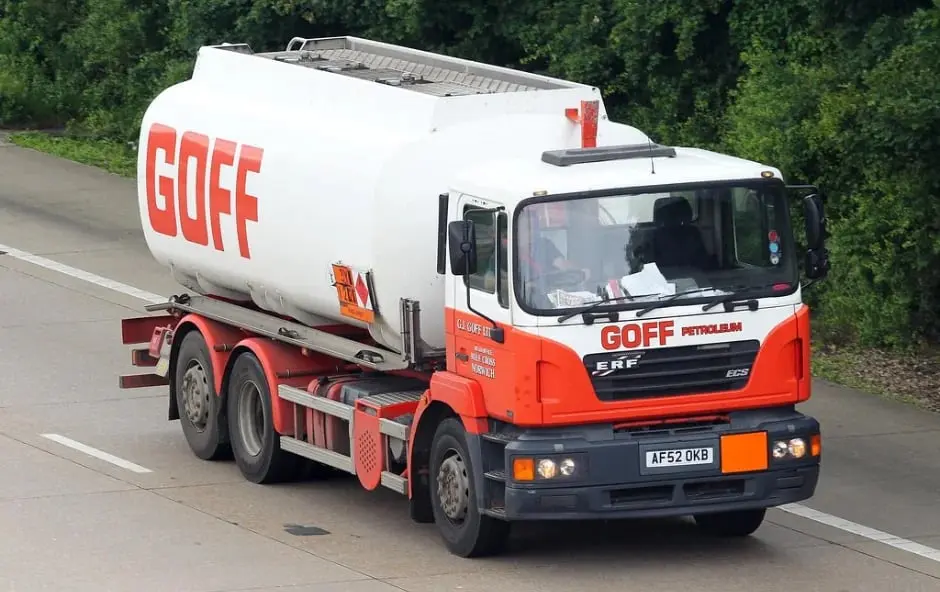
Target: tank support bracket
x,y
349,350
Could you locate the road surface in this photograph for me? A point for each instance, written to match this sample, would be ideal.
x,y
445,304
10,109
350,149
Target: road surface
x,y
99,492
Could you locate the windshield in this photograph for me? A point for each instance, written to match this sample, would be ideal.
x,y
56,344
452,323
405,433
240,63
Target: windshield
x,y
641,247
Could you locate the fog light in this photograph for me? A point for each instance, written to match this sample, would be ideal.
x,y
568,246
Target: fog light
x,y
780,449
797,447
567,467
547,468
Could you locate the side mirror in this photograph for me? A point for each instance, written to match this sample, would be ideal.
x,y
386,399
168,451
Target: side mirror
x,y
816,264
815,221
462,247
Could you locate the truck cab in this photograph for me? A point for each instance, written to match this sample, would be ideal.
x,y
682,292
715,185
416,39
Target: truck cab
x,y
633,318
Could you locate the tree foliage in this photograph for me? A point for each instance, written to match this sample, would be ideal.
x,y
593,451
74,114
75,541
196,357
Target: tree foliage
x,y
840,93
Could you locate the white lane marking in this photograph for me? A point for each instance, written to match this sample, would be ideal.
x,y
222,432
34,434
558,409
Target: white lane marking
x,y
863,531
83,275
99,454
796,509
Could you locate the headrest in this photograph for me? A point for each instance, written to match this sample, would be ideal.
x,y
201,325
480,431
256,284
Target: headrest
x,y
672,211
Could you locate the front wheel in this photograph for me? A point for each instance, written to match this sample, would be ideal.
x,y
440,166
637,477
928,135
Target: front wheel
x,y
454,498
739,523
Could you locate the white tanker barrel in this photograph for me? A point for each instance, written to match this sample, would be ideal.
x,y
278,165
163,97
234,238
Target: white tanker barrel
x,y
258,176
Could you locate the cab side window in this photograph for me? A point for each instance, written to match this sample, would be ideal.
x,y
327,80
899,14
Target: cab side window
x,y
484,224
492,275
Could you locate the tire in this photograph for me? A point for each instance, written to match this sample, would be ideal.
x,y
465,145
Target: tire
x,y
472,534
255,444
200,407
740,523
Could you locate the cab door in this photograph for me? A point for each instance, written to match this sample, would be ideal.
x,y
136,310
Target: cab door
x,y
478,356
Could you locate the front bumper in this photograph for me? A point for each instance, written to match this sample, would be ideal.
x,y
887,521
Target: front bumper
x,y
612,481
677,497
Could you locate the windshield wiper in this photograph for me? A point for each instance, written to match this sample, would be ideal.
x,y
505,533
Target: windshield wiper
x,y
725,298
665,301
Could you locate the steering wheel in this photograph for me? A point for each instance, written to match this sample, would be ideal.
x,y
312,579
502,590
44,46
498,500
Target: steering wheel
x,y
566,279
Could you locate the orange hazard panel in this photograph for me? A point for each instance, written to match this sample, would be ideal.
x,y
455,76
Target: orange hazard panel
x,y
743,453
354,292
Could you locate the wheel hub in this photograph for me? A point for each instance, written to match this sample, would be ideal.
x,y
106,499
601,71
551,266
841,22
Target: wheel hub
x,y
453,487
196,393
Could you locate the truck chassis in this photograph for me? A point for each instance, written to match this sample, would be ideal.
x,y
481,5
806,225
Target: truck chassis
x,y
264,389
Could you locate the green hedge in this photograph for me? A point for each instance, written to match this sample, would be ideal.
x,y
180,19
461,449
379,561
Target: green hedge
x,y
842,94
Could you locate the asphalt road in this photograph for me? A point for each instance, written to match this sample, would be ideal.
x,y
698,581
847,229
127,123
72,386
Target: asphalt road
x,y
152,517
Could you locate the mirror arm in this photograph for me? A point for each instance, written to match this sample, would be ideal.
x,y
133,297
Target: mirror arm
x,y
496,334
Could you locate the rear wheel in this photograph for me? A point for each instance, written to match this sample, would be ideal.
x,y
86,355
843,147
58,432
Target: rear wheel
x,y
255,444
740,523
454,499
200,407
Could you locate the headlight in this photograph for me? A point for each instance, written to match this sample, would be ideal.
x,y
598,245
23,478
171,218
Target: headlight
x,y
795,448
547,468
567,467
540,469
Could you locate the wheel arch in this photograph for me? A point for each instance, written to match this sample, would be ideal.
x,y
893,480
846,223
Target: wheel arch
x,y
449,397
427,418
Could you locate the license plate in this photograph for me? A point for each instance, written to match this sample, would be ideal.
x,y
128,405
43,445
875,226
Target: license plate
x,y
680,457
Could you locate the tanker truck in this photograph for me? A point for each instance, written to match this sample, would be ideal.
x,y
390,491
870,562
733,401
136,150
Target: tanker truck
x,y
466,284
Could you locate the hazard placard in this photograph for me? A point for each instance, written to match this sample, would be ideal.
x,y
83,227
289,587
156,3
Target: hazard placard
x,y
354,292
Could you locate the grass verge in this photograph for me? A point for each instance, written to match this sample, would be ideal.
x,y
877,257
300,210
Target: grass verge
x,y
911,377
114,157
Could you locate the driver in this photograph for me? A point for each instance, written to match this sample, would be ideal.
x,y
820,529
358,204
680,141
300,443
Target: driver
x,y
537,258
540,256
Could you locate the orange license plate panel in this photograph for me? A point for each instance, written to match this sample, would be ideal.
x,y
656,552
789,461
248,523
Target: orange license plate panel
x,y
744,453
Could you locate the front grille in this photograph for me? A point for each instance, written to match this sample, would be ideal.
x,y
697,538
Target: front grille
x,y
695,369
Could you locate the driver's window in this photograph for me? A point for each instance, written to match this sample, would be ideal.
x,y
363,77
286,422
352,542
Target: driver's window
x,y
484,279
